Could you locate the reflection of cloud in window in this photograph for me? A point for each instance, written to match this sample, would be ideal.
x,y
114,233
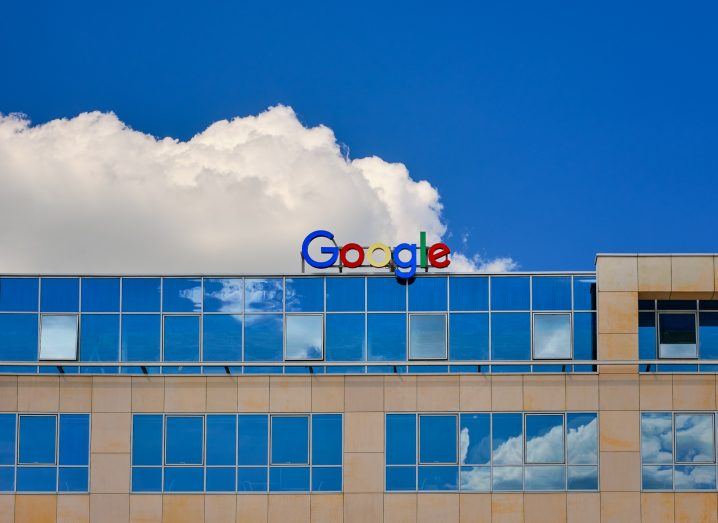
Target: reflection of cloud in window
x,y
689,477
656,438
194,295
509,452
657,477
582,443
546,448
479,448
553,336
476,478
261,292
304,337
694,437
229,295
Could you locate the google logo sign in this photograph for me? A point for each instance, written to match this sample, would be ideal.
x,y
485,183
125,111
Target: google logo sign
x,y
353,255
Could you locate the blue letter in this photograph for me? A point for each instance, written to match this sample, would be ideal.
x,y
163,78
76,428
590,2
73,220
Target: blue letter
x,y
334,251
411,264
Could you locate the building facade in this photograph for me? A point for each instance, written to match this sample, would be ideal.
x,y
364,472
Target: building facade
x,y
567,396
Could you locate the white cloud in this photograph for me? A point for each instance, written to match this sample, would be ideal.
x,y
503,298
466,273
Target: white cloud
x,y
89,194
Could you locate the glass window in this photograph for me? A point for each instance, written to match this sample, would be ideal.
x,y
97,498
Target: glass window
x,y
386,294
18,294
304,337
507,443
401,439
708,335
437,478
345,337
305,294
60,295
326,439
544,438
510,293
475,479
469,336
223,295
289,479
469,293
582,478
146,479
694,438
141,294
252,479
184,440
74,439
584,293
511,336
36,479
475,439
290,440
386,337
677,305
689,477
584,335
221,438
183,479
551,293
101,294
345,294
552,336
437,439
100,337
181,294
253,439
147,439
7,439
427,335
181,338
677,335
507,478
647,335
58,337
582,438
37,440
18,337
263,337
428,293
545,477
657,437
141,337
222,337
263,295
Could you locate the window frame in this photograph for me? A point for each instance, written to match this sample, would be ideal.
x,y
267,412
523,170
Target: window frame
x,y
696,332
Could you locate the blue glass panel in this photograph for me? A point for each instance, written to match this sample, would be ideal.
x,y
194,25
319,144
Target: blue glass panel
x,y
263,295
181,294
345,294
677,305
468,336
552,336
511,336
253,439
7,479
584,293
326,439
437,439
401,439
290,440
101,294
345,337
60,295
146,479
507,478
583,478
475,479
37,439
551,293
222,337
73,479
18,294
263,337
544,438
305,333
386,337
438,477
99,337
427,336
582,438
223,295
584,336
141,337
18,337
469,293
657,477
507,443
74,439
141,294
510,293
181,338
545,477
657,437
36,479
221,438
428,294
7,439
147,439
252,479
694,438
289,479
647,336
326,479
475,439
708,335
305,294
184,479
184,440
694,477
220,479
400,478
386,294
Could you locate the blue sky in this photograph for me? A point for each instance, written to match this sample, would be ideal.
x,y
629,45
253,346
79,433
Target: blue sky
x,y
552,130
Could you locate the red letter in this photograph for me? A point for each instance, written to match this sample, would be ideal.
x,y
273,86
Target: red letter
x,y
438,251
352,247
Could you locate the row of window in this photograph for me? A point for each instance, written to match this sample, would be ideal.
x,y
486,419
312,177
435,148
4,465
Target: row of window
x,y
298,337
297,294
482,452
237,453
44,453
